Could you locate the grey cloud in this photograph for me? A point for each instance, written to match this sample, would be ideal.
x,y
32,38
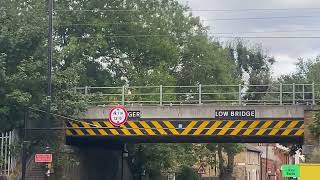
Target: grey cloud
x,y
286,51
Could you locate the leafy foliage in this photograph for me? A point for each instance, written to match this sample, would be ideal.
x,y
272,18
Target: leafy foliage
x,y
23,65
187,173
158,158
252,63
315,126
158,42
307,72
315,156
226,166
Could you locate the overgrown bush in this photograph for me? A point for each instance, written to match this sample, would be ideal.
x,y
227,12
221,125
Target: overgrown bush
x,y
315,126
187,173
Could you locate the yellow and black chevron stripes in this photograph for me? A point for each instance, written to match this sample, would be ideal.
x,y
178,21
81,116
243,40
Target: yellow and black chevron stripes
x,y
285,127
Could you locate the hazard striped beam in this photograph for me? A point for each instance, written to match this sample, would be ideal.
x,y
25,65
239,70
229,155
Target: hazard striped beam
x,y
265,127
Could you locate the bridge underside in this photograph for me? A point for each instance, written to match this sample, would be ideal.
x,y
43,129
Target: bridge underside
x,y
99,132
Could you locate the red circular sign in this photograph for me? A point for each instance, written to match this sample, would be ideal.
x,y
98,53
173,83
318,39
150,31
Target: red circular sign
x,y
118,115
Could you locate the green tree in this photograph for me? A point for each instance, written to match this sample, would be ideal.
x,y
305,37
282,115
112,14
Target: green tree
x,y
307,72
255,63
23,68
158,158
187,173
20,59
226,166
127,44
156,42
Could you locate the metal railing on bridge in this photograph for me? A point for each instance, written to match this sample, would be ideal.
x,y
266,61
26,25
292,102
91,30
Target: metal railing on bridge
x,y
8,160
271,94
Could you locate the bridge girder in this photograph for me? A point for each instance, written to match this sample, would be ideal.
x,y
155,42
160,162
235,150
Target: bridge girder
x,y
190,130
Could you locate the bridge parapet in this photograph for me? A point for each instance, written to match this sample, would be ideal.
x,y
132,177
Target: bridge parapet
x,y
205,111
271,94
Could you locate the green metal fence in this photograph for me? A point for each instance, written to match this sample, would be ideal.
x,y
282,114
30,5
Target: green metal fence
x,y
270,94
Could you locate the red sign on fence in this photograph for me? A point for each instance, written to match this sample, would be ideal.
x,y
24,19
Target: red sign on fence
x,y
43,158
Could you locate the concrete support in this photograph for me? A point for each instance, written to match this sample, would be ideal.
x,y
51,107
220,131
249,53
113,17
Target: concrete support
x,y
310,141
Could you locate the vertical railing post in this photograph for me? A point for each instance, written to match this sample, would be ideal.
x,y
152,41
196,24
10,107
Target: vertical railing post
x,y
123,95
293,93
24,142
200,94
1,152
86,90
5,151
7,160
240,98
9,152
313,94
161,95
281,94
303,92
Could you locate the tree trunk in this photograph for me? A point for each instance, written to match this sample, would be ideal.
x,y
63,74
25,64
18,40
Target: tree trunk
x,y
226,171
230,162
221,162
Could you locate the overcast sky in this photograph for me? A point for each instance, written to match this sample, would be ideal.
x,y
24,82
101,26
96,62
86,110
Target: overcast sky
x,y
286,51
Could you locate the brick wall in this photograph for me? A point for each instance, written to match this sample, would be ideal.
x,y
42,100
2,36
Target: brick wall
x,y
271,168
274,166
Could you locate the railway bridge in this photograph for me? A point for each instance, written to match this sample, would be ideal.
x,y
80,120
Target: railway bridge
x,y
202,113
193,123
188,114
